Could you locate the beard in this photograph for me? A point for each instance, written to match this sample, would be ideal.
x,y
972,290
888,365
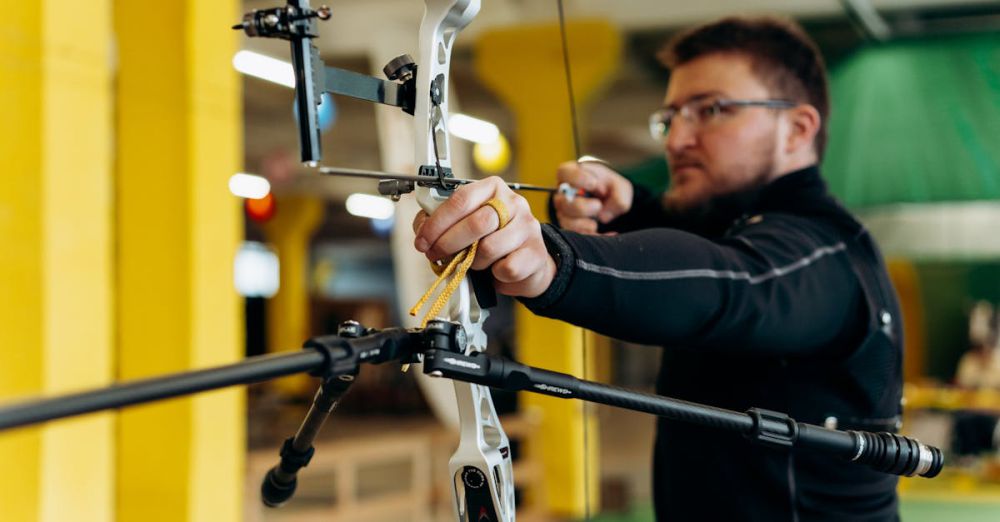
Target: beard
x,y
698,197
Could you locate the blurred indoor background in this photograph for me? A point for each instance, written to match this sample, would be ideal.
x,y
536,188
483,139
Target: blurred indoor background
x,y
156,218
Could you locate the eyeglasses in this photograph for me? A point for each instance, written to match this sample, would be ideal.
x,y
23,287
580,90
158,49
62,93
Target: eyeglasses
x,y
703,112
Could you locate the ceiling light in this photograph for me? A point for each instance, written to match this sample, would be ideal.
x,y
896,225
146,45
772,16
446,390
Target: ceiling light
x,y
256,270
265,68
249,186
472,129
366,205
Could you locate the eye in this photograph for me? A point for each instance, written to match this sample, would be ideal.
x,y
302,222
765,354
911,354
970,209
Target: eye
x,y
665,122
659,122
710,110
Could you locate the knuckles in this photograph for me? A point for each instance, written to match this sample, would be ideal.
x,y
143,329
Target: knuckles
x,y
520,205
461,199
566,170
483,221
505,271
497,183
489,250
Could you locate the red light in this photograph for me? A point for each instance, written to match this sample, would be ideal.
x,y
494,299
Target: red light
x,y
260,210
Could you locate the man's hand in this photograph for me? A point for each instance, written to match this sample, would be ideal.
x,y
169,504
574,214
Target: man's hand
x,y
515,254
612,196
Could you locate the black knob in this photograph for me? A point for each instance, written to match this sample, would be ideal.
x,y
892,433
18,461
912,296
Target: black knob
x,y
445,335
400,68
350,328
273,491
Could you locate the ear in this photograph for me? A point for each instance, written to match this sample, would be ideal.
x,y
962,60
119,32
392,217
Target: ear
x,y
804,122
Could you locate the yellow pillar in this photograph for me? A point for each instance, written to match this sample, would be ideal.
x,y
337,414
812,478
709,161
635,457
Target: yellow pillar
x,y
524,67
55,271
906,281
179,140
295,219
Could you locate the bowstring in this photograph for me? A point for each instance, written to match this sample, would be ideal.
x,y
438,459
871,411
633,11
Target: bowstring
x,y
583,332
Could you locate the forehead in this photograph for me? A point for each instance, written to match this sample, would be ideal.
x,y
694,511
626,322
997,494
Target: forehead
x,y
727,74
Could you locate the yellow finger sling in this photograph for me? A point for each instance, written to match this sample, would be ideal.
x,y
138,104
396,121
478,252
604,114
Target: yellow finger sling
x,y
459,265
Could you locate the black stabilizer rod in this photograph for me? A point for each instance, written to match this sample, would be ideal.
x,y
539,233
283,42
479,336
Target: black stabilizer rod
x,y
327,356
280,481
885,452
251,370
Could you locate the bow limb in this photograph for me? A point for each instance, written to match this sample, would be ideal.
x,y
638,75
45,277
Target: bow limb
x,y
480,468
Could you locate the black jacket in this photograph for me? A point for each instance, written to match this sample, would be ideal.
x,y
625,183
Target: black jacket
x,y
775,298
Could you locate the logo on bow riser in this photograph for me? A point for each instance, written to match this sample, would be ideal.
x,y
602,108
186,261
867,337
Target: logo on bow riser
x,y
473,478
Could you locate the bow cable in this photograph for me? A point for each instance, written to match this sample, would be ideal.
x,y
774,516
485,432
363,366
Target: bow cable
x,y
583,332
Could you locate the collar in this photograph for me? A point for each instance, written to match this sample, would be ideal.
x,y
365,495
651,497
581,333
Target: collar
x,y
797,192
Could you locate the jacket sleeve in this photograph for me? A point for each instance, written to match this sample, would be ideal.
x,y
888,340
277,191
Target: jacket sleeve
x,y
775,287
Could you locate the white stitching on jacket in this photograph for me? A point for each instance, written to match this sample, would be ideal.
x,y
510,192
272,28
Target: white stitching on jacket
x,y
695,273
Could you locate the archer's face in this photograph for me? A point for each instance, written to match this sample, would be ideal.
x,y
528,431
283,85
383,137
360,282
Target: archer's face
x,y
728,152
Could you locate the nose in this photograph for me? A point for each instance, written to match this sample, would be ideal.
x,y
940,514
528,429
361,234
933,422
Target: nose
x,y
681,136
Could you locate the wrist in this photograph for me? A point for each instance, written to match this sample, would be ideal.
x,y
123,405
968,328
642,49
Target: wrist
x,y
557,272
548,275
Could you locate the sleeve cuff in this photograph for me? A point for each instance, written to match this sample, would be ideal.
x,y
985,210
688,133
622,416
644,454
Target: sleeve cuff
x,y
565,260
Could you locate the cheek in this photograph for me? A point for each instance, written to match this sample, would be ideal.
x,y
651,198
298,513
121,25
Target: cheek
x,y
720,151
737,146
729,141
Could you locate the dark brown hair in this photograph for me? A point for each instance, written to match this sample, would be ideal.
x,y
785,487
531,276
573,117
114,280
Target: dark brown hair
x,y
781,55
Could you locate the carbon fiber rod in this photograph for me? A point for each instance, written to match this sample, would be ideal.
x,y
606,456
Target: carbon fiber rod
x,y
253,369
885,452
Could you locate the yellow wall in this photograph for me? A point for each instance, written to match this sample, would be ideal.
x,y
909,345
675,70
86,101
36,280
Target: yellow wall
x,y
119,225
178,229
55,270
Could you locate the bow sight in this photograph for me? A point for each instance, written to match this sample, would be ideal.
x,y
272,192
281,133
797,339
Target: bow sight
x,y
296,22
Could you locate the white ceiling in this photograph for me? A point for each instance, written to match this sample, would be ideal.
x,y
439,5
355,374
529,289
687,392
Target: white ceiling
x,y
356,22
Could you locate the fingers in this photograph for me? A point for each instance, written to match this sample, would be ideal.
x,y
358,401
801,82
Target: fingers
x,y
465,204
618,202
499,244
578,176
575,174
578,208
418,220
612,194
520,263
481,223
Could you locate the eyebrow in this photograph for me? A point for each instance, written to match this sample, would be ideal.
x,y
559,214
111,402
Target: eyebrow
x,y
699,96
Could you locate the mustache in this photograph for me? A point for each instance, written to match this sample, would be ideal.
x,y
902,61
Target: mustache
x,y
678,162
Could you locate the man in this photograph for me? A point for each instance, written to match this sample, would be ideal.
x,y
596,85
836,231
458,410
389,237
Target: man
x,y
762,289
